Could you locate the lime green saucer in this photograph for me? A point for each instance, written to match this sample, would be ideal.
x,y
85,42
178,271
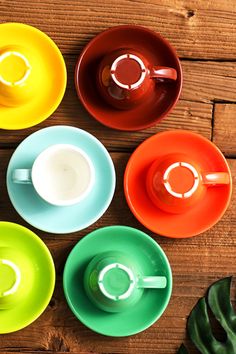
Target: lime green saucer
x,y
27,268
150,260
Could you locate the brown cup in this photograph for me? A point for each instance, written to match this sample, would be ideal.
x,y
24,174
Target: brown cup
x,y
125,78
150,102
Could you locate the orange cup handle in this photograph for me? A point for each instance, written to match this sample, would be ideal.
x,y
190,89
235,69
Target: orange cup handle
x,y
215,178
162,72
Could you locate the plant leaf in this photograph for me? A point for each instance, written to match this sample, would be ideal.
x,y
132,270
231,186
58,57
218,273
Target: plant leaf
x,y
199,330
199,326
182,350
221,306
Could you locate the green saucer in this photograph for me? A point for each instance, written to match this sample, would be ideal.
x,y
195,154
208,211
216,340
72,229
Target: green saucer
x,y
25,251
151,260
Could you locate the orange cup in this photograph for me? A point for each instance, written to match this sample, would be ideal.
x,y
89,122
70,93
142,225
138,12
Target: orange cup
x,y
176,183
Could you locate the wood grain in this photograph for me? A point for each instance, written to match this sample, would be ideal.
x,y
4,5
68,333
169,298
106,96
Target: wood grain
x,y
204,84
224,135
209,81
208,257
198,29
189,115
224,229
204,35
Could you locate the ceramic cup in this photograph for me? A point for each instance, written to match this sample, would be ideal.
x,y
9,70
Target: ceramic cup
x,y
18,80
125,78
113,282
176,182
11,289
62,175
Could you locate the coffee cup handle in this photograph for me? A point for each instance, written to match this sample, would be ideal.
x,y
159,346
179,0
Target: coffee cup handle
x,y
162,72
215,178
22,176
154,282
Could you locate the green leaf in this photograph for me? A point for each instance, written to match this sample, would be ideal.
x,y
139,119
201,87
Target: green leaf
x,y
182,350
199,326
199,330
221,306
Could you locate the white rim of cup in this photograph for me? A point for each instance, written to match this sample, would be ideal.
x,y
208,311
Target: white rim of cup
x,y
17,272
105,270
190,192
91,167
27,64
142,67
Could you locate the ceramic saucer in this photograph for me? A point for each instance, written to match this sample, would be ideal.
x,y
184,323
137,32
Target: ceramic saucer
x,y
67,219
199,217
151,259
39,271
156,49
51,66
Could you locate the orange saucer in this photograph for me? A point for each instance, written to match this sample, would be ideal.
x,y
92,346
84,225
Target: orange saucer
x,y
201,216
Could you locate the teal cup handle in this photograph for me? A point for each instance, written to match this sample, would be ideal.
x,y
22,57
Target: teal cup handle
x,y
22,176
152,282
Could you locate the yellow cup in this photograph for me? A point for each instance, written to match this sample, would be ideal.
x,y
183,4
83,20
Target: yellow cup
x,y
18,76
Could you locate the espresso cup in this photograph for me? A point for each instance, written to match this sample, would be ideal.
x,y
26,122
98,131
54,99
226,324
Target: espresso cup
x,y
114,282
11,289
125,78
18,77
176,183
62,175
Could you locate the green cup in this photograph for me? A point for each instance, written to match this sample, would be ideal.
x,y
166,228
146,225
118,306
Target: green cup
x,y
13,285
114,282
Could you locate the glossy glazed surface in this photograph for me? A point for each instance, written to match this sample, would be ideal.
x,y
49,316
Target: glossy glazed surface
x,y
150,259
59,219
50,72
157,51
37,273
200,216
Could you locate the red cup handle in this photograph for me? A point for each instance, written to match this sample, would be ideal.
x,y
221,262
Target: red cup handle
x,y
162,72
215,178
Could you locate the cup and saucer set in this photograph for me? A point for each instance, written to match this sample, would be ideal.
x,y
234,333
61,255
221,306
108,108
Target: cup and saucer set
x,y
27,277
61,179
117,280
32,76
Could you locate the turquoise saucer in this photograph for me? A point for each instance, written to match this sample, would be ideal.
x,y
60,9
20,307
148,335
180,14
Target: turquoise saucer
x,y
67,219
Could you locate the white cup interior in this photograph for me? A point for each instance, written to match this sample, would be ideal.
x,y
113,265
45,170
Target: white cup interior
x,y
63,174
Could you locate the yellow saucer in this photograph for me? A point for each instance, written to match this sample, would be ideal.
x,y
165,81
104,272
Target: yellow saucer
x,y
38,97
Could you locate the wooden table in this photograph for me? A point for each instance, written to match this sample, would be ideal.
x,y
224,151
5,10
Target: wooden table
x,y
204,34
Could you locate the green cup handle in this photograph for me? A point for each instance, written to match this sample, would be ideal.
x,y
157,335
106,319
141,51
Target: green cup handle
x,y
22,176
152,282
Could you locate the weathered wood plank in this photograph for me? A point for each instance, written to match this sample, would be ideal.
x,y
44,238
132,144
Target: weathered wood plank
x,y
198,29
57,330
196,263
209,81
193,111
204,83
225,229
224,132
189,115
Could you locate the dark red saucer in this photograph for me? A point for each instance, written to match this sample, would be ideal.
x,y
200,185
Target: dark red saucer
x,y
156,49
